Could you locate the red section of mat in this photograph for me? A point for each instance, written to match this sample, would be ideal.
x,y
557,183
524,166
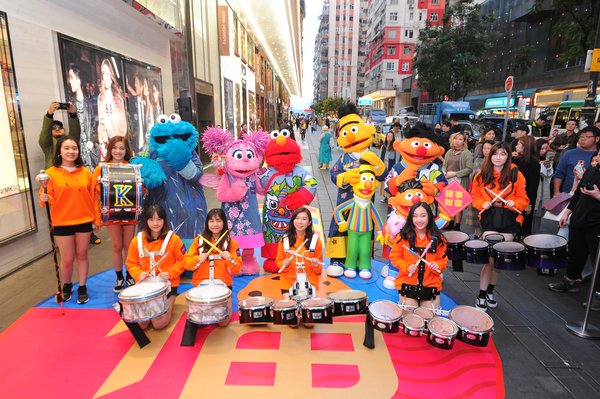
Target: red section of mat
x,y
259,340
251,373
331,342
334,375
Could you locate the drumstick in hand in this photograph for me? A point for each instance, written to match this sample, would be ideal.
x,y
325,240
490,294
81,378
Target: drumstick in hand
x,y
496,196
293,253
214,246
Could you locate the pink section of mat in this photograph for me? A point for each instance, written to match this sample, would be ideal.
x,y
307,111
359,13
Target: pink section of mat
x,y
331,342
335,375
259,340
251,373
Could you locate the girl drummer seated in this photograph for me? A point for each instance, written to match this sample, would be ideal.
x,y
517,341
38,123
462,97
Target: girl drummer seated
x,y
419,281
214,247
300,246
156,243
499,192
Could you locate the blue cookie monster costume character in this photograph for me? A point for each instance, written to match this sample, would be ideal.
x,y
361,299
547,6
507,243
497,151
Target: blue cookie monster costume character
x,y
171,173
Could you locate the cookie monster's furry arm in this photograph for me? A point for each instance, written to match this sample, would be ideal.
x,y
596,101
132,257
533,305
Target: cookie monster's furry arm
x,y
152,173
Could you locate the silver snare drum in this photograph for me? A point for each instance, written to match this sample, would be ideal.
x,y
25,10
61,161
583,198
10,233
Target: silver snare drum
x,y
144,301
208,304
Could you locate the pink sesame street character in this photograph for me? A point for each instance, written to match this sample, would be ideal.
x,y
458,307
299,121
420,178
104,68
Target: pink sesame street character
x,y
237,187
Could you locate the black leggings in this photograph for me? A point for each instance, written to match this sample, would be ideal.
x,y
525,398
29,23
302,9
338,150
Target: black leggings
x,y
582,243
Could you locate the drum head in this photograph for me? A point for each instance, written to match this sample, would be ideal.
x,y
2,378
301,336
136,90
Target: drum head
x,y
494,237
347,295
255,301
545,241
455,237
471,319
424,312
441,326
413,321
476,244
314,303
385,310
142,290
207,292
285,304
508,247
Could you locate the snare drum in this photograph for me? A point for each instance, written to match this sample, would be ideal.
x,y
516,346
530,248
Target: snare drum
x,y
120,193
145,301
425,313
347,302
285,312
546,251
494,238
477,252
509,255
255,310
317,310
413,325
384,316
474,326
455,241
208,304
441,332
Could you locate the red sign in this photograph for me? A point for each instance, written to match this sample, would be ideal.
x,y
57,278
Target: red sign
x,y
508,84
454,198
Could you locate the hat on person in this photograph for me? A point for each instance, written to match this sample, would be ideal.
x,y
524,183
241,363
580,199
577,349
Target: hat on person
x,y
542,117
324,128
57,124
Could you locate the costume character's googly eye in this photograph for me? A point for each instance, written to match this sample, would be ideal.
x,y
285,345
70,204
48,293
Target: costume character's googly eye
x,y
162,119
175,118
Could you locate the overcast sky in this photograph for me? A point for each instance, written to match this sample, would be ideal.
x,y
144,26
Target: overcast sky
x,y
310,28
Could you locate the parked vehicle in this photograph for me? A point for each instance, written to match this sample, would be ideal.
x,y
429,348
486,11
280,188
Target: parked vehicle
x,y
432,113
378,115
569,110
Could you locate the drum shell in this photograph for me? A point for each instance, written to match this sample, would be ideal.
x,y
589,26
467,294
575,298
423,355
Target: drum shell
x,y
391,325
144,308
257,314
469,336
127,179
349,306
509,260
477,256
208,310
321,313
455,244
442,341
546,258
426,314
413,330
285,315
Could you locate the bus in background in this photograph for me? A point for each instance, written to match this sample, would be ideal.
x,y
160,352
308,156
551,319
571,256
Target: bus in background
x,y
377,115
569,110
432,113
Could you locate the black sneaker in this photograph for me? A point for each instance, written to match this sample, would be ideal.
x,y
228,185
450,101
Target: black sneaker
x,y
564,285
119,285
66,290
595,302
490,300
82,296
94,239
129,282
481,304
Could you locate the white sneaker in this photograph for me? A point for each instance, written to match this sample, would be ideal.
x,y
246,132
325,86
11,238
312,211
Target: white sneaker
x,y
389,282
385,271
365,274
481,304
350,273
335,271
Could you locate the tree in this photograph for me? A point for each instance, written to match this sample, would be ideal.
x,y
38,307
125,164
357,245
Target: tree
x,y
575,23
328,105
446,56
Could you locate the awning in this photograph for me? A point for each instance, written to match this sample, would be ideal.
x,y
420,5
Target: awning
x,y
380,95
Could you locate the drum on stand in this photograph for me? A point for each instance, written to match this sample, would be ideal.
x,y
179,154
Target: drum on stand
x,y
255,310
384,315
285,312
546,251
455,241
145,301
509,255
348,302
120,193
441,332
317,311
477,252
474,326
413,325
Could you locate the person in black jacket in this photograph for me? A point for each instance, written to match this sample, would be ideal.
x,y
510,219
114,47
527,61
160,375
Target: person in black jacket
x,y
584,229
528,164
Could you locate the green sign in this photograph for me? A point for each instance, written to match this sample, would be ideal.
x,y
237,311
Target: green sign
x,y
365,101
499,102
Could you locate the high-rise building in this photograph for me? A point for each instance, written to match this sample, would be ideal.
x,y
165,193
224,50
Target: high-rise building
x,y
339,59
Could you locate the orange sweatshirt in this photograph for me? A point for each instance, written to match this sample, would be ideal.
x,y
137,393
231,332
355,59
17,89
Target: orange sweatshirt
x,y
223,268
172,263
288,275
402,259
71,196
516,193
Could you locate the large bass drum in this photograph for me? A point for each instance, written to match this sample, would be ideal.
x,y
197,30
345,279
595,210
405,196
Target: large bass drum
x,y
120,193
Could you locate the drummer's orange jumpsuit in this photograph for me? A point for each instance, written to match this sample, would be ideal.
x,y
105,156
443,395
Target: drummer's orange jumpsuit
x,y
402,259
223,268
172,263
288,275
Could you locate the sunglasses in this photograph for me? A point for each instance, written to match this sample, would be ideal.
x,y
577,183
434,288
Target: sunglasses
x,y
164,139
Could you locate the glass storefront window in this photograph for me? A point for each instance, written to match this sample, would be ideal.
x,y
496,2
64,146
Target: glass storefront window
x,y
17,215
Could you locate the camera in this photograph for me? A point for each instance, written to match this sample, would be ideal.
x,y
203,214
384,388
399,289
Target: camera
x,y
64,105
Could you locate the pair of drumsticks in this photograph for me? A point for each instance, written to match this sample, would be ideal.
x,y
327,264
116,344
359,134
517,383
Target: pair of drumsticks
x,y
214,246
499,197
297,253
422,256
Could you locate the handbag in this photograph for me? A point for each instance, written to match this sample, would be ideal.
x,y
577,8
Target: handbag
x,y
558,203
336,247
